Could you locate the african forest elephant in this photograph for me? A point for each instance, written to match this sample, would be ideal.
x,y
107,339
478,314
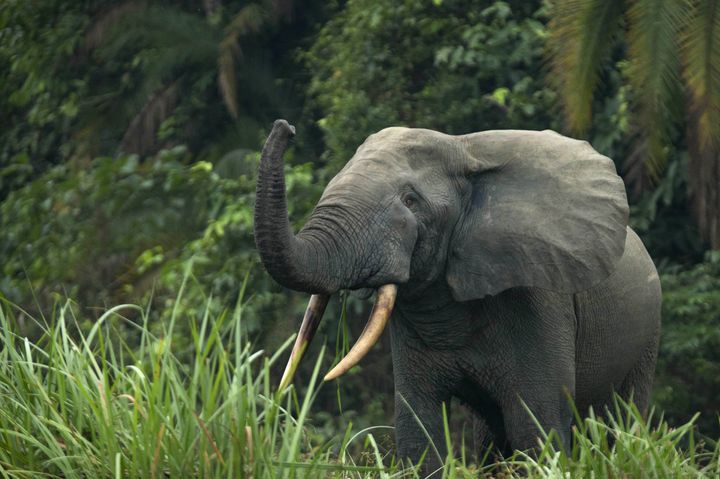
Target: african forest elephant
x,y
506,260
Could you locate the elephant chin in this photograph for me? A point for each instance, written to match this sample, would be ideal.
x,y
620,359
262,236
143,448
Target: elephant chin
x,y
382,309
362,293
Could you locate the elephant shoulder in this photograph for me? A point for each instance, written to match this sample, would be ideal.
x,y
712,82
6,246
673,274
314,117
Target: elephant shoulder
x,y
635,271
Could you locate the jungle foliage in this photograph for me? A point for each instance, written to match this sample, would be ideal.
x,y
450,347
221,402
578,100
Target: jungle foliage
x,y
691,342
452,66
674,70
131,133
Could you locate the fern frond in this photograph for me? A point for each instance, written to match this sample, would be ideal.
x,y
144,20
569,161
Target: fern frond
x,y
701,58
654,28
581,35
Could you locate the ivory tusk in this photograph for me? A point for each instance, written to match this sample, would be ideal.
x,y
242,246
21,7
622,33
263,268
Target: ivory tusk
x,y
311,321
373,329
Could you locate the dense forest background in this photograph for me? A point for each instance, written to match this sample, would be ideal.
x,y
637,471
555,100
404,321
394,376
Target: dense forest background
x,y
131,133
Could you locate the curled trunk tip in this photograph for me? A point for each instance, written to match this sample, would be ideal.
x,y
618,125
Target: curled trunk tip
x,y
284,127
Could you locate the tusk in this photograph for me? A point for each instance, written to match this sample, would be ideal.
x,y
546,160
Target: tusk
x,y
373,329
311,321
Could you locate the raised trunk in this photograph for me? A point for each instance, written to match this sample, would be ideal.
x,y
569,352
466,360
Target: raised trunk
x,y
295,262
321,259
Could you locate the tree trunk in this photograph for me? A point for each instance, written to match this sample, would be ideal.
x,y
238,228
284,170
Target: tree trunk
x,y
704,182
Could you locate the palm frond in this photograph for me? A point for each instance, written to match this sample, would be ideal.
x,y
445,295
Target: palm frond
x,y
229,51
281,8
141,134
701,55
581,35
701,72
104,22
211,7
249,19
172,35
164,42
654,28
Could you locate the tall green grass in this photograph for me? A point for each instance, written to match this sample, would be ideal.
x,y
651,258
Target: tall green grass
x,y
89,405
622,443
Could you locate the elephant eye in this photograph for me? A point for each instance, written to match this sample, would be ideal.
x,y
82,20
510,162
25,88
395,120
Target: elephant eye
x,y
409,201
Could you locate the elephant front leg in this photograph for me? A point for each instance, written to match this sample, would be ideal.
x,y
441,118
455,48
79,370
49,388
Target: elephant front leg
x,y
419,430
424,380
538,375
533,412
522,428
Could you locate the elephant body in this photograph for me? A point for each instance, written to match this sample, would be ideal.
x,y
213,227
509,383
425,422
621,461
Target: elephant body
x,y
507,254
528,344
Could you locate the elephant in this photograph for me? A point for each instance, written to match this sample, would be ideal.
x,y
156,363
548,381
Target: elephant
x,y
506,262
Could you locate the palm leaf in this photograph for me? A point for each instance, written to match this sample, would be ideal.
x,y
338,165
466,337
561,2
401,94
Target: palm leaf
x,y
701,55
166,44
281,8
166,39
654,28
104,22
141,134
701,61
211,6
249,19
229,50
581,35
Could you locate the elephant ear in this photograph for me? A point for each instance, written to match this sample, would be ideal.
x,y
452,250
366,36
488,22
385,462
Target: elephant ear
x,y
545,211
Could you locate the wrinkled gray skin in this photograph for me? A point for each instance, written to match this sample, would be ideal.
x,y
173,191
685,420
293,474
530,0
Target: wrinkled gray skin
x,y
518,275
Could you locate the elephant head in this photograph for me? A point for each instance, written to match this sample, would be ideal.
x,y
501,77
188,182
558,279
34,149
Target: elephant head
x,y
416,209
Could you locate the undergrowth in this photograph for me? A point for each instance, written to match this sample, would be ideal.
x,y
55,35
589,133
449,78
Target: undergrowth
x,y
77,404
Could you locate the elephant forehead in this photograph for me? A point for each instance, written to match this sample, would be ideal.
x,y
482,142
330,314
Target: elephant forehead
x,y
413,148
375,175
407,136
409,143
387,162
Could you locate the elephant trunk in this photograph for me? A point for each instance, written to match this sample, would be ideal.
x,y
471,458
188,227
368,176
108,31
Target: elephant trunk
x,y
293,261
302,262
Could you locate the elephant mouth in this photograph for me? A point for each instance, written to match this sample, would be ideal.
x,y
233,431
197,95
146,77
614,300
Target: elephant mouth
x,y
362,293
382,309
